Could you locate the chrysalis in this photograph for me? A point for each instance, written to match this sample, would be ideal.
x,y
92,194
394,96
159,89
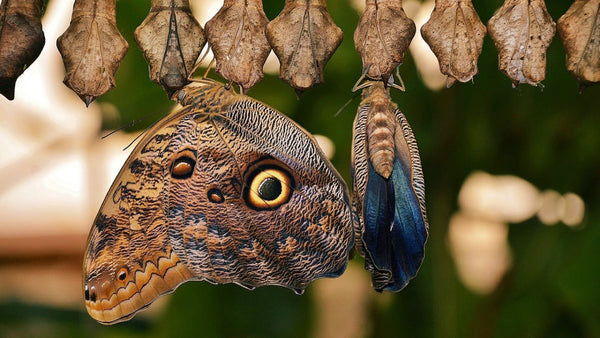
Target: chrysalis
x,y
303,37
171,40
579,29
92,48
455,34
382,36
522,31
236,35
21,40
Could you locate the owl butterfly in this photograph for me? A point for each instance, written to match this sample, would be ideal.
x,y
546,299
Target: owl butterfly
x,y
225,190
389,191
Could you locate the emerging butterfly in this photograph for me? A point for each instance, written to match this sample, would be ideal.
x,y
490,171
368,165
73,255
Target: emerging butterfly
x,y
225,190
389,191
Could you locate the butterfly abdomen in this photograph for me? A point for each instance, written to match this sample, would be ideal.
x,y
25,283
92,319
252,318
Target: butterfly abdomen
x,y
380,134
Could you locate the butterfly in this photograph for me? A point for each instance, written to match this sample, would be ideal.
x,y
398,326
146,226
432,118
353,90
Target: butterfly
x,y
388,190
225,190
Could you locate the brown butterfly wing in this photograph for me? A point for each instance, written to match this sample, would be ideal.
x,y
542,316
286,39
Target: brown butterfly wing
x,y
161,225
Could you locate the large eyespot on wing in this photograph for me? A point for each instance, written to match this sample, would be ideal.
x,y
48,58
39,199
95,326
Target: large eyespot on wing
x,y
268,185
394,223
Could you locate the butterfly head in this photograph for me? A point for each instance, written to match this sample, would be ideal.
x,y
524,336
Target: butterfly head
x,y
204,91
375,89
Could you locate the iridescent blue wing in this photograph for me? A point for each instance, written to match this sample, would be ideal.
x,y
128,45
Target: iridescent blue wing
x,y
393,228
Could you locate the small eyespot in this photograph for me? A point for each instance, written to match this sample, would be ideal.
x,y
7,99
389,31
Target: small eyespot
x,y
87,293
122,274
268,188
215,195
183,166
93,294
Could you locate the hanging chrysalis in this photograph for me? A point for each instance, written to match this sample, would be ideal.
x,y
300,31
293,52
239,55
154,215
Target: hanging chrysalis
x,y
579,29
236,35
171,40
21,40
304,37
455,34
522,31
382,36
92,48
389,191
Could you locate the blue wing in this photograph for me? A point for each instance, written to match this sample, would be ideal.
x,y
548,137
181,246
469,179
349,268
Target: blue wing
x,y
395,231
395,222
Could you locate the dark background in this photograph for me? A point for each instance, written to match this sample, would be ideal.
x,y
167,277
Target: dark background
x,y
548,136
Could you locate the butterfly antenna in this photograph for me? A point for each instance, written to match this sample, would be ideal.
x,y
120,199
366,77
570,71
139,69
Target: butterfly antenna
x,y
131,124
354,95
205,54
135,139
134,122
208,68
145,129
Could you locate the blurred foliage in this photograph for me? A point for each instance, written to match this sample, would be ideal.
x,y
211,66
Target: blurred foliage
x,y
550,136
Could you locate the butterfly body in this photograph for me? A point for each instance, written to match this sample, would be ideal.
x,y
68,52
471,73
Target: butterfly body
x,y
389,191
225,190
380,130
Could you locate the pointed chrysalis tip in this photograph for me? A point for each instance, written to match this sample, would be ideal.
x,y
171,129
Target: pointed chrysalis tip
x,y
584,84
299,92
171,90
7,87
87,99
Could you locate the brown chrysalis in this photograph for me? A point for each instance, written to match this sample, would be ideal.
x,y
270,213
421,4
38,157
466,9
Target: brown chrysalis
x,y
382,36
303,37
455,34
92,48
21,40
236,35
171,40
522,31
579,29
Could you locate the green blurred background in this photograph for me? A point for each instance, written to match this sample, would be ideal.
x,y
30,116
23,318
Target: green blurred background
x,y
548,136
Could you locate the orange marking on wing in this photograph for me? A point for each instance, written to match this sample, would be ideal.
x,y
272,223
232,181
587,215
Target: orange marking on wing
x,y
146,287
